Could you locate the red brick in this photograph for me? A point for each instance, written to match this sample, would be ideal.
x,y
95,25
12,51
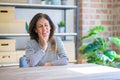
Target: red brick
x,y
86,16
116,5
116,1
80,5
109,5
88,11
118,22
95,0
113,33
105,33
106,22
94,16
109,28
80,28
97,5
110,11
107,1
86,22
80,22
85,5
92,22
101,11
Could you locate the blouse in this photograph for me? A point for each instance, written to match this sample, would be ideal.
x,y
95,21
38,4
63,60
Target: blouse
x,y
37,57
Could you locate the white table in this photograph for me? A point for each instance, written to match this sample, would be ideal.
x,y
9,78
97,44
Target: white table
x,y
69,72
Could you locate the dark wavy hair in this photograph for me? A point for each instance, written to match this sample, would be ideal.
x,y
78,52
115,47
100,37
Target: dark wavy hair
x,y
32,26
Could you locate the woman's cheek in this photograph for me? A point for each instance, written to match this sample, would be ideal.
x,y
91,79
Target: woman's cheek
x,y
39,33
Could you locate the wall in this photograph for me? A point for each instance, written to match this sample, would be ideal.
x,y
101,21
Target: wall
x,y
115,30
99,12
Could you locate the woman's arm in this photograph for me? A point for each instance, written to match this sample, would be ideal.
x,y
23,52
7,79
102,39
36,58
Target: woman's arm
x,y
62,54
33,53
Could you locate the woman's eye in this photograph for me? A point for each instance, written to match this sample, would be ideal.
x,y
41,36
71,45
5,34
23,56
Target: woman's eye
x,y
39,26
46,25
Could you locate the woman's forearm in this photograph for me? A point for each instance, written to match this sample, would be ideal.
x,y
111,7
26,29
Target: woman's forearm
x,y
62,61
33,59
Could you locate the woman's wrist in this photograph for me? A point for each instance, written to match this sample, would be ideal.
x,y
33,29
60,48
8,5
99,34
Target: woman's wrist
x,y
42,50
48,64
45,47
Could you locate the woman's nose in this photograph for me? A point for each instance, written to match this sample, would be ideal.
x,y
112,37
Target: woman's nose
x,y
44,28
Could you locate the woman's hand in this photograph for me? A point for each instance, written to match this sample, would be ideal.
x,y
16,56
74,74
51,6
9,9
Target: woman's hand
x,y
43,40
48,64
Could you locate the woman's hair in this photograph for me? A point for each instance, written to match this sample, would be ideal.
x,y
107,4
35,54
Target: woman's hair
x,y
32,26
34,35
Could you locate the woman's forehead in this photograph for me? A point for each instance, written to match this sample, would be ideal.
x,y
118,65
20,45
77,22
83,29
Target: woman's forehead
x,y
42,20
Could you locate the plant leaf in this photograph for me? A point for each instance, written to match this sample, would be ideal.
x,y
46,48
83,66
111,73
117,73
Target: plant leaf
x,y
93,32
82,47
97,29
115,40
102,42
91,47
89,36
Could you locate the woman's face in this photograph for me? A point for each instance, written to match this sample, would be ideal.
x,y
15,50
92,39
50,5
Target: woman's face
x,y
43,28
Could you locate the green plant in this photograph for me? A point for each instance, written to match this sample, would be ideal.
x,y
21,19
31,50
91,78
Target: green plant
x,y
97,51
61,24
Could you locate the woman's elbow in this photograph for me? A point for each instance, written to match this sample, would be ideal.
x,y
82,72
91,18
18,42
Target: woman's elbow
x,y
31,63
66,61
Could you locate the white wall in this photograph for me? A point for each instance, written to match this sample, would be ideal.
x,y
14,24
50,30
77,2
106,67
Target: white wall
x,y
27,14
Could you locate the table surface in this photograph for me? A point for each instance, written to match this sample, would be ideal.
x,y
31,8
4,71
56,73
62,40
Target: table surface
x,y
68,72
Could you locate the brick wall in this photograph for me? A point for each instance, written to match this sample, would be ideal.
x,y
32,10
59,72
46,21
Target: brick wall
x,y
99,12
115,30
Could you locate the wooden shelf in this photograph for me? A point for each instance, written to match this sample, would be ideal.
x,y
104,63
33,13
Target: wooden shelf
x,y
26,35
39,6
9,65
65,34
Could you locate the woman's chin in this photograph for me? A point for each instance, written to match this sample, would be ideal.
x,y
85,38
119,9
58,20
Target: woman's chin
x,y
46,37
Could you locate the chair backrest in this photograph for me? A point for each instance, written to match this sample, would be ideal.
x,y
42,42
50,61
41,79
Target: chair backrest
x,y
23,62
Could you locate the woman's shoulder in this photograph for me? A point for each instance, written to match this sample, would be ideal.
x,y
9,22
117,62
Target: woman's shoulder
x,y
32,42
57,39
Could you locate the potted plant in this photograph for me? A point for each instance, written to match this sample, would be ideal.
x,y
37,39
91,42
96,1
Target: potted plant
x,y
61,26
98,50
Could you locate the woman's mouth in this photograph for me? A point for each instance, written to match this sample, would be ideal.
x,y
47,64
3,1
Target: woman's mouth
x,y
45,34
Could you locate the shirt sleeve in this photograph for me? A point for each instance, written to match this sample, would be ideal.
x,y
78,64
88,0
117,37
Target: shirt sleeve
x,y
33,54
62,54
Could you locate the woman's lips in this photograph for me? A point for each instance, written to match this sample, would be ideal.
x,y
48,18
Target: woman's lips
x,y
45,34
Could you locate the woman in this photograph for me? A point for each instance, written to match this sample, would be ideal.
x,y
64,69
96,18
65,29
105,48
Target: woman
x,y
43,49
